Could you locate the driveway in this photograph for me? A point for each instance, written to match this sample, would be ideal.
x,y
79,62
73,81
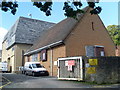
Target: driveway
x,y
23,81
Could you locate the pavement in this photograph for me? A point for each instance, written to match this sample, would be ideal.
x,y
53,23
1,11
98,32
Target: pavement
x,y
23,81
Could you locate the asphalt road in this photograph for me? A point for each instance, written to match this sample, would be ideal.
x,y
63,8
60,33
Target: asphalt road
x,y
23,81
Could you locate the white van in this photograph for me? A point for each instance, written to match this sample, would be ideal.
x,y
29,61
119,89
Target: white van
x,y
34,68
3,67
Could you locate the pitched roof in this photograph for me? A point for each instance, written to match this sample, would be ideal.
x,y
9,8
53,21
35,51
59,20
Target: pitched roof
x,y
26,30
55,35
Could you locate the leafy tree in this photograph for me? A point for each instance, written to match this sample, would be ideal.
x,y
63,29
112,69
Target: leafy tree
x,y
46,7
114,32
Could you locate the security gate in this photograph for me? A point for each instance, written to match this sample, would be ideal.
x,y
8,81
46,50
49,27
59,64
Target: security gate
x,y
70,68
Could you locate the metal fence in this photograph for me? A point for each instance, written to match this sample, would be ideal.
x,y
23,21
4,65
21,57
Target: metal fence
x,y
70,68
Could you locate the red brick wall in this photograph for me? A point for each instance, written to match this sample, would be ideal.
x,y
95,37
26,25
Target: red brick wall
x,y
118,51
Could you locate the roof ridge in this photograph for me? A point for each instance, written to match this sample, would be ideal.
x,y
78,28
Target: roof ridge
x,y
26,30
35,19
79,19
10,30
58,32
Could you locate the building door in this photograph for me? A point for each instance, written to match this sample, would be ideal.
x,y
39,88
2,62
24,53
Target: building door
x,y
99,51
9,65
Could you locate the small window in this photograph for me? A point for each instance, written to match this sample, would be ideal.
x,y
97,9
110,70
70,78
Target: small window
x,y
43,55
12,48
35,57
30,66
95,50
102,53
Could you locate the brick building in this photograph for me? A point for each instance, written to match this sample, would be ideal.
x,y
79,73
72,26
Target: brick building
x,y
20,38
86,36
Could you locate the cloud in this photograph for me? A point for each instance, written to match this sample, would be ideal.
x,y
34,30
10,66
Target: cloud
x,y
3,32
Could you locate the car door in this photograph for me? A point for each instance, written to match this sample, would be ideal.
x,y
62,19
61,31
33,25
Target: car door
x,y
30,70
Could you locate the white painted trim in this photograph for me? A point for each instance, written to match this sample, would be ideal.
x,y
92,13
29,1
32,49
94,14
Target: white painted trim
x,y
66,58
69,79
47,46
81,68
98,46
51,63
58,69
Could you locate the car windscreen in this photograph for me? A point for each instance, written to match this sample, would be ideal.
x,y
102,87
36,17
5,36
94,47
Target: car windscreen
x,y
36,66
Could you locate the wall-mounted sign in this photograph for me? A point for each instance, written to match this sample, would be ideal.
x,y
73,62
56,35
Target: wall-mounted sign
x,y
69,67
66,63
87,65
91,70
71,62
55,62
43,55
93,61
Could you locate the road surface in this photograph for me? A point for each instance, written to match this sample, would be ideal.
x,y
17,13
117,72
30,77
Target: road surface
x,y
23,81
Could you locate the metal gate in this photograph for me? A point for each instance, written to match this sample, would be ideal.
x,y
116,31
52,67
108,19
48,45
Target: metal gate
x,y
70,68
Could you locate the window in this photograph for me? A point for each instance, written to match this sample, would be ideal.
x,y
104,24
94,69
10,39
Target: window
x,y
30,66
34,57
43,55
12,48
92,26
99,51
102,53
95,50
36,66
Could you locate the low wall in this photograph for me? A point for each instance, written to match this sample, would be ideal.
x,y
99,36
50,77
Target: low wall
x,y
102,69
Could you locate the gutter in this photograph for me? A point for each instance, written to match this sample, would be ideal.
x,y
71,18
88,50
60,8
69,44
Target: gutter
x,y
45,47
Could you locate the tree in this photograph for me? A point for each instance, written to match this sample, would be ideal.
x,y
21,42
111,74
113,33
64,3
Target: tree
x,y
46,7
114,32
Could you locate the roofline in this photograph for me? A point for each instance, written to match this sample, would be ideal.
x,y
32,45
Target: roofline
x,y
16,43
36,19
98,46
79,21
9,30
45,47
106,29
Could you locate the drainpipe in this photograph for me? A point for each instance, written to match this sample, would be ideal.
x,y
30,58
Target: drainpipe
x,y
51,62
14,58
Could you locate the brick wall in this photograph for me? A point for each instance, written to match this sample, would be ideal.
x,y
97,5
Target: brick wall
x,y
118,51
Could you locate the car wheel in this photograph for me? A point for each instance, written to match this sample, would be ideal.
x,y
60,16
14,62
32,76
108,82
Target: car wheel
x,y
26,73
47,74
33,74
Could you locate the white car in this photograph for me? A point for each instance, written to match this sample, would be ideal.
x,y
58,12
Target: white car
x,y
34,68
3,67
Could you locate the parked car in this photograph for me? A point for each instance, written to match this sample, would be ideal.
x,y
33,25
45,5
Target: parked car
x,y
34,68
3,67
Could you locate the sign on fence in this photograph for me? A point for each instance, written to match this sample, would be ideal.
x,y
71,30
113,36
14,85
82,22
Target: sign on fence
x,y
93,61
69,64
91,70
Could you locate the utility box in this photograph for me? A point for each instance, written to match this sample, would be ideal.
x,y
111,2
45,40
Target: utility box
x,y
70,68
